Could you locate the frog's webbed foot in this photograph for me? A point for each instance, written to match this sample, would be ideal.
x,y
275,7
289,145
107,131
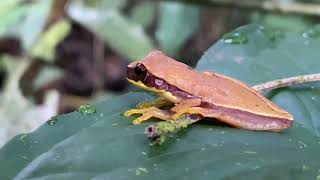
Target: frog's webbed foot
x,y
148,113
159,103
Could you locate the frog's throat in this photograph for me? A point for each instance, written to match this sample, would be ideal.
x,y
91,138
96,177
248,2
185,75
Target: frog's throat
x,y
165,94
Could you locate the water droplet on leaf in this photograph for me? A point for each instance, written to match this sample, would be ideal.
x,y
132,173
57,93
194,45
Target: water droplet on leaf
x,y
311,33
87,109
53,120
249,152
235,38
141,171
305,168
24,157
272,34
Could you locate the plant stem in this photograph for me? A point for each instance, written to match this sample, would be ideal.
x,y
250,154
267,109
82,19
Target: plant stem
x,y
287,82
267,5
157,132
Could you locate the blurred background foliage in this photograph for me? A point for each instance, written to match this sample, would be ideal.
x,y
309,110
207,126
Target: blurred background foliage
x,y
58,54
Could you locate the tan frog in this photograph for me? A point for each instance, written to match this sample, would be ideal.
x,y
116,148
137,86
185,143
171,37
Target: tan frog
x,y
203,93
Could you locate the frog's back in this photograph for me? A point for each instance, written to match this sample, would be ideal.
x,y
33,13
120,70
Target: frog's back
x,y
213,88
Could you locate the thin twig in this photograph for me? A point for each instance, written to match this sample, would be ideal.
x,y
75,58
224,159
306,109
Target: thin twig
x,y
267,5
157,132
287,82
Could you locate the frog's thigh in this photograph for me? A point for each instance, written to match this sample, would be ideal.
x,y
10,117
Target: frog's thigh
x,y
148,113
159,102
186,104
191,110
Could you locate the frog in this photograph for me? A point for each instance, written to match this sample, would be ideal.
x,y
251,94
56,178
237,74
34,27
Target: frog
x,y
208,94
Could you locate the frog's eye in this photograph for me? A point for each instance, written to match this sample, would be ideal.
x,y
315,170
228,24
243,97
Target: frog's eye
x,y
140,71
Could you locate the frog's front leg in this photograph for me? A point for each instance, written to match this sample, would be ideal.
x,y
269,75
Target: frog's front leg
x,y
159,103
148,113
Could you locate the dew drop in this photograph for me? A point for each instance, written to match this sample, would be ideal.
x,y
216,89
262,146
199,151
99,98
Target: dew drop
x,y
53,120
23,137
87,109
24,157
274,34
249,152
205,173
311,33
305,168
235,38
141,171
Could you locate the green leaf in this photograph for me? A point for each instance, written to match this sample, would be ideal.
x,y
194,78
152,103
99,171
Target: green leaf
x,y
34,23
47,74
177,22
26,21
143,13
45,46
9,20
105,145
122,35
8,5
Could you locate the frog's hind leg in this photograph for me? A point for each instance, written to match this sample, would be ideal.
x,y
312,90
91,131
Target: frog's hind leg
x,y
190,110
148,113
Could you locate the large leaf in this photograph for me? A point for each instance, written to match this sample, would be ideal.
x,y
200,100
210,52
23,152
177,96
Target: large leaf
x,y
105,145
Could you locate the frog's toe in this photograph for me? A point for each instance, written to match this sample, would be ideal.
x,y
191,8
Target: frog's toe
x,y
131,112
140,119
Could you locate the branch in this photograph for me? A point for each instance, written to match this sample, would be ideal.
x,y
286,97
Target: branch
x,y
267,5
157,132
287,82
